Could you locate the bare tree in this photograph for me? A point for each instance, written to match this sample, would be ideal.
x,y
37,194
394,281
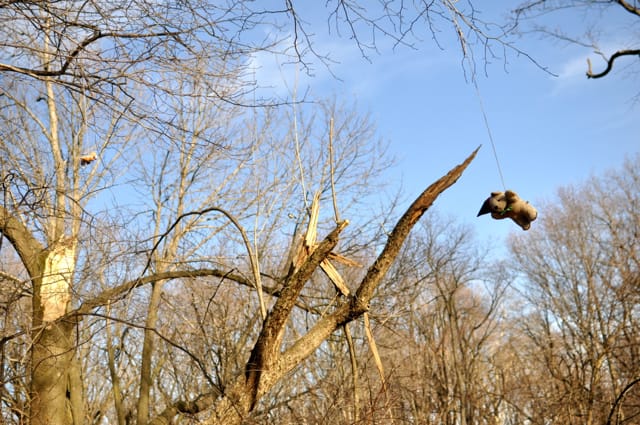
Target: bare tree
x,y
582,273
129,168
535,16
445,331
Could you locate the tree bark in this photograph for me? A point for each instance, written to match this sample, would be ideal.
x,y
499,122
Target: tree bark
x,y
52,355
52,365
147,354
53,340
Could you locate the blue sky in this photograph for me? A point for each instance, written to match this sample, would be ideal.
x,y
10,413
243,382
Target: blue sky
x,y
549,131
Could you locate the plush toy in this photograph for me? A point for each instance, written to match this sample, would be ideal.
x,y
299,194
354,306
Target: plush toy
x,y
509,205
88,158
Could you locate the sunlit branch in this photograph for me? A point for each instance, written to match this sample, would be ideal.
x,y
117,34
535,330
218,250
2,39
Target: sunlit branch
x,y
619,53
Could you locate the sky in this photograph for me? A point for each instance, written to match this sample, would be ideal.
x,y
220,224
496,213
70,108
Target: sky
x,y
549,131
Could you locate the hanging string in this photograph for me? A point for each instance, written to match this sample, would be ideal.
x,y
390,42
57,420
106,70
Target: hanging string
x,y
486,124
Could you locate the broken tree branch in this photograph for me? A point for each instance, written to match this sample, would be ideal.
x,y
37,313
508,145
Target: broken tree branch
x,y
359,304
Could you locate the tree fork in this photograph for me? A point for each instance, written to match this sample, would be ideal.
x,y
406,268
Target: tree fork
x,y
241,396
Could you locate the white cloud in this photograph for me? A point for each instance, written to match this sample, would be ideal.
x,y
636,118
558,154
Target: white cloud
x,y
282,75
574,68
346,71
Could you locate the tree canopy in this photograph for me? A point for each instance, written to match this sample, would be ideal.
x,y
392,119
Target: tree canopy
x,y
177,249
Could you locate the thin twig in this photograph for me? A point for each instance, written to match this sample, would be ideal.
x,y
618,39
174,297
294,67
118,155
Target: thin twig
x,y
332,171
378,361
354,372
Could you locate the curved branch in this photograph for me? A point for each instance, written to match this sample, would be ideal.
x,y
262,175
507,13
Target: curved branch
x,y
253,258
26,245
118,292
630,52
629,7
39,73
619,399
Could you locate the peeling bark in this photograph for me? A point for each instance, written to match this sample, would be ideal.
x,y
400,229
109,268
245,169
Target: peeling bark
x,y
55,289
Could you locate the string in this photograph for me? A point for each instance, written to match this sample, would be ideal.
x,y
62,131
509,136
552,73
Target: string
x,y
486,124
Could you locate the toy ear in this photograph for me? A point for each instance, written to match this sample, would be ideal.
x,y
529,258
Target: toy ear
x,y
495,194
486,208
511,196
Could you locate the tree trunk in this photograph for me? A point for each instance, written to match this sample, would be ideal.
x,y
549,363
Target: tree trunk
x,y
54,340
147,354
52,356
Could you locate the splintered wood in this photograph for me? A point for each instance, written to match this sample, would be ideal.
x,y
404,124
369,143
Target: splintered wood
x,y
55,292
308,245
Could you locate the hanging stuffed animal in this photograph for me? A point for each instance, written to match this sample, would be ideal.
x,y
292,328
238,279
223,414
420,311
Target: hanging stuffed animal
x,y
88,158
509,205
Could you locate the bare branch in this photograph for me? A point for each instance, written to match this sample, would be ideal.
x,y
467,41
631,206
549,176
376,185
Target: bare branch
x,y
267,345
118,292
629,7
400,232
359,304
28,247
97,35
619,53
619,399
200,404
253,260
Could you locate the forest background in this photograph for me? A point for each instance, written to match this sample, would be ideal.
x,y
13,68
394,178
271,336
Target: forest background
x,y
217,212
